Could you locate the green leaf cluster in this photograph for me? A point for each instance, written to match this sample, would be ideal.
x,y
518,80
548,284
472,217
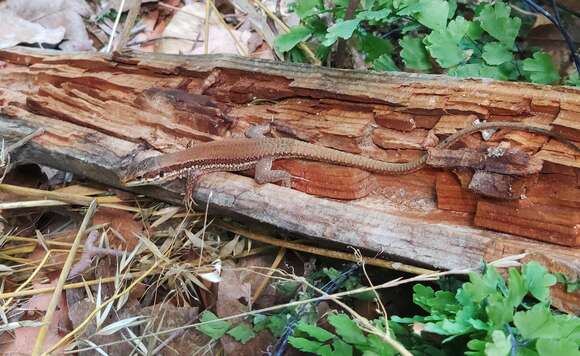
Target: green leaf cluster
x,y
347,340
493,316
430,36
216,328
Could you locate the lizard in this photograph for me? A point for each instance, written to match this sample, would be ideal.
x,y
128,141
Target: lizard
x,y
257,151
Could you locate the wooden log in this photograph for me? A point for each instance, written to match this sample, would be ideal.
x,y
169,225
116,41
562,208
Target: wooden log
x,y
102,113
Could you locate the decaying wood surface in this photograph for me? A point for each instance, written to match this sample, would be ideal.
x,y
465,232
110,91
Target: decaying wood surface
x,y
100,114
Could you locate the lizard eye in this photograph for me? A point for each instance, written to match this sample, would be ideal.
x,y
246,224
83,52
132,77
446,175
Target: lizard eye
x,y
161,174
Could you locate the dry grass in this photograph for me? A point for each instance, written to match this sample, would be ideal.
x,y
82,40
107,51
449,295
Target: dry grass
x,y
176,258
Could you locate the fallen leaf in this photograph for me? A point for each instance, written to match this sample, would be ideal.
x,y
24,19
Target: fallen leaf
x,y
15,30
36,306
123,223
185,34
57,15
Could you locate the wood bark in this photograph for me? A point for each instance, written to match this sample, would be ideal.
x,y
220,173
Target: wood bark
x,y
102,113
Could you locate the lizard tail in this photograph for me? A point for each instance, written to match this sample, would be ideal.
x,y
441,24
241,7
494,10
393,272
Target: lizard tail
x,y
328,155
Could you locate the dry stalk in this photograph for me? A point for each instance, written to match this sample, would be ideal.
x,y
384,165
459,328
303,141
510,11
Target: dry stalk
x,y
115,25
90,317
28,280
266,280
65,197
38,346
239,46
128,25
323,252
311,56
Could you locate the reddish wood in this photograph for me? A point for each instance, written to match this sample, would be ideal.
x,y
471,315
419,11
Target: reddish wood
x,y
395,120
451,196
545,223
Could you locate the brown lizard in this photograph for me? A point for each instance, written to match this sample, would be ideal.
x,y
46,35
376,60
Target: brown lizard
x,y
257,151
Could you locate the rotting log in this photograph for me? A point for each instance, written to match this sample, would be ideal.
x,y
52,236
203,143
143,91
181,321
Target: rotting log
x,y
101,113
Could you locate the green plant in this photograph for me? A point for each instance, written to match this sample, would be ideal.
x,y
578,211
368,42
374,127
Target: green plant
x,y
428,36
494,317
488,315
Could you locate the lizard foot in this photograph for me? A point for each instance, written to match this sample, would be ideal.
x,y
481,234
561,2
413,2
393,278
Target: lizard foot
x,y
265,174
258,131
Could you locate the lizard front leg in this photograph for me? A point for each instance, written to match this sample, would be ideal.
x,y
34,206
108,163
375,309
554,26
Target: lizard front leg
x,y
192,178
265,174
258,131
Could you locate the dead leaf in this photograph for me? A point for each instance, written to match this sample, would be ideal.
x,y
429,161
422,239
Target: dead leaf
x,y
59,14
123,223
185,34
36,306
15,30
229,247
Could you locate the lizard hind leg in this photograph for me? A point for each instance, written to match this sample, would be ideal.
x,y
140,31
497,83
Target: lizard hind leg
x,y
265,174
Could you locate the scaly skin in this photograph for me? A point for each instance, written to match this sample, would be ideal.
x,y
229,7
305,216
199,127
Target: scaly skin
x,y
242,154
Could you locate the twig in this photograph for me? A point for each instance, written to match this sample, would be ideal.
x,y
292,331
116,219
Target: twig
x,y
61,280
266,280
129,23
91,251
323,252
30,278
115,25
311,56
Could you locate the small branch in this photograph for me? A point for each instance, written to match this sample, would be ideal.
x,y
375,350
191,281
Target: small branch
x,y
264,284
56,295
323,252
129,23
91,251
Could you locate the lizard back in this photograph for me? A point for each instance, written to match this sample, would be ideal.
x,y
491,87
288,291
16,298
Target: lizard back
x,y
240,153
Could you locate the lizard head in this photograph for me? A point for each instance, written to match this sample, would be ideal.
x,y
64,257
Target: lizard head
x,y
144,172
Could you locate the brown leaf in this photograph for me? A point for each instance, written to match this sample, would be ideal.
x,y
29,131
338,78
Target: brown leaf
x,y
57,15
15,30
123,223
24,337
